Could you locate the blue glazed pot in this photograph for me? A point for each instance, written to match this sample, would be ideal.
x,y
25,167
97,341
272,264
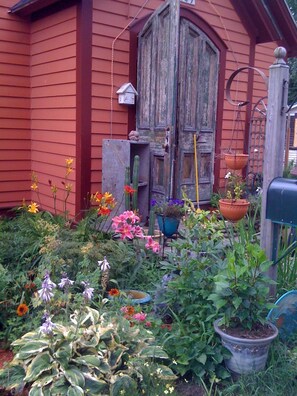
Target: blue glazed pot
x,y
168,225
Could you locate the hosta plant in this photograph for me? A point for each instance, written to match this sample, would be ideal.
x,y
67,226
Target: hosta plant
x,y
95,354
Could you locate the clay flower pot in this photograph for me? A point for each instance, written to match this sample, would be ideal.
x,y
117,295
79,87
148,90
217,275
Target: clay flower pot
x,y
233,209
236,161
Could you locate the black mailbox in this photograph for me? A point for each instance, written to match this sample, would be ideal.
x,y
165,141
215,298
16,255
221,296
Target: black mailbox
x,y
281,206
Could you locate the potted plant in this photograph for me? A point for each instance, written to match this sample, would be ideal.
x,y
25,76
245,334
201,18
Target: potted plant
x,y
236,161
234,207
169,214
241,297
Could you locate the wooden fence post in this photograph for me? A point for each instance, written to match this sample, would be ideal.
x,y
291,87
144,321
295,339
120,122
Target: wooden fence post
x,y
275,134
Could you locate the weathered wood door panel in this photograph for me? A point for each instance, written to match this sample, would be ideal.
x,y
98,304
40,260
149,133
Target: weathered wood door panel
x,y
177,85
196,109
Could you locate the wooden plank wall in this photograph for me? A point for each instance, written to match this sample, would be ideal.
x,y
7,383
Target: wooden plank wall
x,y
109,19
53,104
14,109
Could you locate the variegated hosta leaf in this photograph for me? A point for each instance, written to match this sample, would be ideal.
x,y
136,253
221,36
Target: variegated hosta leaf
x,y
92,342
64,353
88,360
28,337
75,376
94,386
115,358
31,349
165,373
12,377
59,387
46,379
36,391
41,363
121,384
75,391
153,351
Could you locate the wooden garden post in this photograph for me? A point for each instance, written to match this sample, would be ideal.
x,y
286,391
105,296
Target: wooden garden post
x,y
275,134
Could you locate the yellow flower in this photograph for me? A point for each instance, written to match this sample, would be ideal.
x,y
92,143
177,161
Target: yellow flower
x,y
33,207
34,186
68,187
69,162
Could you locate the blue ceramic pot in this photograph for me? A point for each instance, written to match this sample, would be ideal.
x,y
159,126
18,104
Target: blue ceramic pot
x,y
168,225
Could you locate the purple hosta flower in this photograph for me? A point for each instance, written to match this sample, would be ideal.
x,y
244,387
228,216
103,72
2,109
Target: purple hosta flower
x,y
88,292
104,265
47,326
46,291
65,282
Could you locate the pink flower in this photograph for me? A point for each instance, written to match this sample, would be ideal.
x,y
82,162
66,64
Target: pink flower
x,y
126,231
138,232
148,324
140,317
152,245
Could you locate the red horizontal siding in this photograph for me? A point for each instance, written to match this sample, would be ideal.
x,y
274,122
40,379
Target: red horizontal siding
x,y
53,102
14,108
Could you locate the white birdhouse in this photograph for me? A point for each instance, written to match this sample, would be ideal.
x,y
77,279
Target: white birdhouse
x,y
127,94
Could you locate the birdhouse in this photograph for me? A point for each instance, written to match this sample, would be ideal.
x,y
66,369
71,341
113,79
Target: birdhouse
x,y
127,94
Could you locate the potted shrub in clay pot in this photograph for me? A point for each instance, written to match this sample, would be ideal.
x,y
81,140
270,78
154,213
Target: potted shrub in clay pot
x,y
234,207
168,215
241,296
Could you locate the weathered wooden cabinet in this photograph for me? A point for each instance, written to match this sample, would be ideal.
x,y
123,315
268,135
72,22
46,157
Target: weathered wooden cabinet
x,y
117,155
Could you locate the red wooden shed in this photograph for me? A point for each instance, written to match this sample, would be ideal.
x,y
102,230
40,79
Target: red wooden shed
x,y
62,62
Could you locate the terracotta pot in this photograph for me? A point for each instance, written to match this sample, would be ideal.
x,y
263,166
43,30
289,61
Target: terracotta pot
x,y
233,210
236,161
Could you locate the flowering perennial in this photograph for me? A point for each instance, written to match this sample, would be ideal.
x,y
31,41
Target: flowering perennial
x,y
127,226
47,326
106,203
88,292
46,291
22,309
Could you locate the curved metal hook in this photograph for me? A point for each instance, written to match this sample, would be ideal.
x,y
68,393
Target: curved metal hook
x,y
231,78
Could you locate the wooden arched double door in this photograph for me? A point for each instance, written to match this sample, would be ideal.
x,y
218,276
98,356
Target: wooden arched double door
x,y
177,103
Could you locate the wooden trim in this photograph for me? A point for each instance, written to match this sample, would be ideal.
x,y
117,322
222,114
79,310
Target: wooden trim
x,y
84,103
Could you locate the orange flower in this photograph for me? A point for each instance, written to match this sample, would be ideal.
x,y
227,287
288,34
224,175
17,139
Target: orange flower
x,y
22,309
129,190
33,207
130,310
114,292
104,211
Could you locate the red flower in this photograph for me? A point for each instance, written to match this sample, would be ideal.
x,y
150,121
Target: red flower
x,y
166,326
129,190
22,309
114,292
103,211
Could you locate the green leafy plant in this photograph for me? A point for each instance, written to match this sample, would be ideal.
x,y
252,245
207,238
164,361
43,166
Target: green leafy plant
x,y
241,286
235,186
193,262
171,208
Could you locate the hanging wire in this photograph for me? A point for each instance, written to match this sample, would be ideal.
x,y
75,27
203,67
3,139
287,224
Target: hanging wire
x,y
112,64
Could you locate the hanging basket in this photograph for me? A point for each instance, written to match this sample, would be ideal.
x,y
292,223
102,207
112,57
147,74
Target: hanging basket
x,y
233,210
236,161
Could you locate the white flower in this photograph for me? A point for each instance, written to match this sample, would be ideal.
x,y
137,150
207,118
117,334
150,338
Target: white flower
x,y
229,174
256,150
104,264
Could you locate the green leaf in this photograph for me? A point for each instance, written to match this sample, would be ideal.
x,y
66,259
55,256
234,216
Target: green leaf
x,y
75,391
36,391
123,383
236,302
88,360
165,373
153,352
12,377
41,363
31,349
202,358
75,376
94,386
